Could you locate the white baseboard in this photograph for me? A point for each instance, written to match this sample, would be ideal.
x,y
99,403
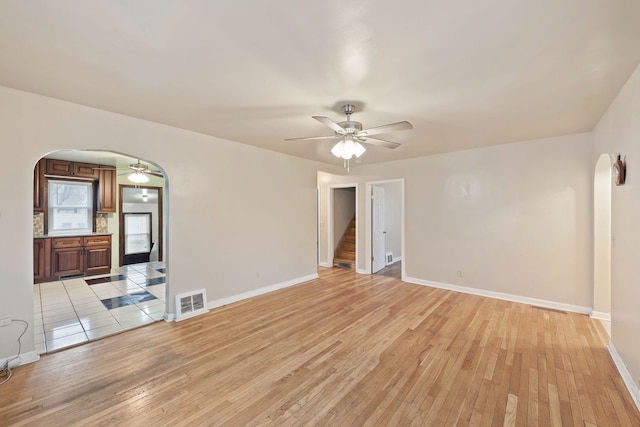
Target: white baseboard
x,y
325,264
361,271
600,316
23,359
260,291
499,295
632,386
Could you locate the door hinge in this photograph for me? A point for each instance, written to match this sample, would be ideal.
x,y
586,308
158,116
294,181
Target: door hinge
x,y
371,258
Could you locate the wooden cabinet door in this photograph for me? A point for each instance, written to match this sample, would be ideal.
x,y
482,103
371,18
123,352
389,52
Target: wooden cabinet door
x,y
41,259
97,255
39,186
68,261
59,167
107,191
98,260
85,170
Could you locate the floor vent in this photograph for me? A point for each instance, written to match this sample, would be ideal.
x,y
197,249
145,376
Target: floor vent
x,y
389,258
191,304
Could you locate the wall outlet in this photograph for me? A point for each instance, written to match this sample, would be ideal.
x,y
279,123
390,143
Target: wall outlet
x,y
5,322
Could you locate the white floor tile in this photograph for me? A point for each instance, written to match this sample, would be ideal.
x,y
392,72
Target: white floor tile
x,y
61,332
70,312
58,318
105,331
66,341
90,324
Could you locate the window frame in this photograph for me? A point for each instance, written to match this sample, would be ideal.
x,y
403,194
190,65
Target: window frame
x,y
51,208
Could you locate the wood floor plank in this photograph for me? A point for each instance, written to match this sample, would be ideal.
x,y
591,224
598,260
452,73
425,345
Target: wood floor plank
x,y
345,349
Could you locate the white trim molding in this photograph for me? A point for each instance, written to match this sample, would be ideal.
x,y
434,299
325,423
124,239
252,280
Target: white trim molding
x,y
632,386
22,359
361,271
600,316
325,264
260,291
499,295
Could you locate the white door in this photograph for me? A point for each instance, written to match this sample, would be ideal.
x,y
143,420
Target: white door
x,y
378,232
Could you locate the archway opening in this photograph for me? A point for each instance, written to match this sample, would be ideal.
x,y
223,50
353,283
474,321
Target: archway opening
x,y
82,292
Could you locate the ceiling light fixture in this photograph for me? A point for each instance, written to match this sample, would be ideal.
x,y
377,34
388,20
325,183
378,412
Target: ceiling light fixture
x,y
347,148
138,178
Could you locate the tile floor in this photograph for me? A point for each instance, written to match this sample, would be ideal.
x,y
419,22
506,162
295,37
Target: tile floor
x,y
77,310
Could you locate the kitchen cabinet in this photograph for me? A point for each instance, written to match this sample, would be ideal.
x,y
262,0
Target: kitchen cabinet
x,y
97,254
41,259
88,255
107,190
67,256
39,186
64,168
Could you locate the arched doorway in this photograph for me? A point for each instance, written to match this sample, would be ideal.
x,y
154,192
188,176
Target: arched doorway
x,y
84,293
602,241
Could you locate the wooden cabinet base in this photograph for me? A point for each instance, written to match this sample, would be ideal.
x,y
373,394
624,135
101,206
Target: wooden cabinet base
x,y
59,257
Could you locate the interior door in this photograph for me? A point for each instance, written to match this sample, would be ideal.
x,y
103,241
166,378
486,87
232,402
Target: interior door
x,y
377,232
137,237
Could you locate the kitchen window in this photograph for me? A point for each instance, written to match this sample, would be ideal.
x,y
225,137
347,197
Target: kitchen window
x,y
70,207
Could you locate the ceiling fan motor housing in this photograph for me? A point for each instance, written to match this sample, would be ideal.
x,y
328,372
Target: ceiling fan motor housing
x,y
350,126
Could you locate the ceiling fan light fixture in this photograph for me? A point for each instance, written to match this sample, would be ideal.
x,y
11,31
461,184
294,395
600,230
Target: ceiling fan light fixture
x,y
359,149
138,178
338,149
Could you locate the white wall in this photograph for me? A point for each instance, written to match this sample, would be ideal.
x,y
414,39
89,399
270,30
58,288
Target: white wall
x,y
344,208
260,206
513,218
619,132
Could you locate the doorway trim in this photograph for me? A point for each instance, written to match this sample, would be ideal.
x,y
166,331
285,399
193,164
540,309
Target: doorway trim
x,y
330,221
369,223
602,239
160,206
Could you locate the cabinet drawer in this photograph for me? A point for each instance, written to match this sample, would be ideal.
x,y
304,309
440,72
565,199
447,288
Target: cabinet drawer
x,y
97,240
66,242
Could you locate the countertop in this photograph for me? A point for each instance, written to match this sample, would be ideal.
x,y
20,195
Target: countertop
x,y
50,236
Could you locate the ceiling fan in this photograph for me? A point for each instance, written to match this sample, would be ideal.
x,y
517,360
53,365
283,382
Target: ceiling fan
x,y
138,172
350,134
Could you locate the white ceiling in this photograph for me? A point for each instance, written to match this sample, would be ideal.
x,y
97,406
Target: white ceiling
x,y
466,73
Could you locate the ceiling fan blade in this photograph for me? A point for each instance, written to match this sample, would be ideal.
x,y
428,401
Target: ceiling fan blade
x,y
392,127
155,173
379,142
314,137
328,122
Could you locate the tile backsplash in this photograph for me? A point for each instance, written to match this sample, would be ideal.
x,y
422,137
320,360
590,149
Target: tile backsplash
x,y
38,224
102,225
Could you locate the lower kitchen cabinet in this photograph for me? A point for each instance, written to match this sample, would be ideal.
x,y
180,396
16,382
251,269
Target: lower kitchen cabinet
x,y
67,256
97,252
41,259
70,256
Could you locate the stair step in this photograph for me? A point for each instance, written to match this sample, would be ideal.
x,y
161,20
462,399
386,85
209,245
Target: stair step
x,y
350,255
347,246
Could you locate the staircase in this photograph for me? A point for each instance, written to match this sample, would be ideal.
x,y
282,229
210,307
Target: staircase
x,y
345,253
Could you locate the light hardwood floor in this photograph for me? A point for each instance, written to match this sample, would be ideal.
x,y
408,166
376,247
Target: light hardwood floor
x,y
343,350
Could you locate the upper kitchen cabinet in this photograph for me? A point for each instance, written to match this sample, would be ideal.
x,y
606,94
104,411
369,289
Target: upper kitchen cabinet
x,y
39,186
65,168
107,190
